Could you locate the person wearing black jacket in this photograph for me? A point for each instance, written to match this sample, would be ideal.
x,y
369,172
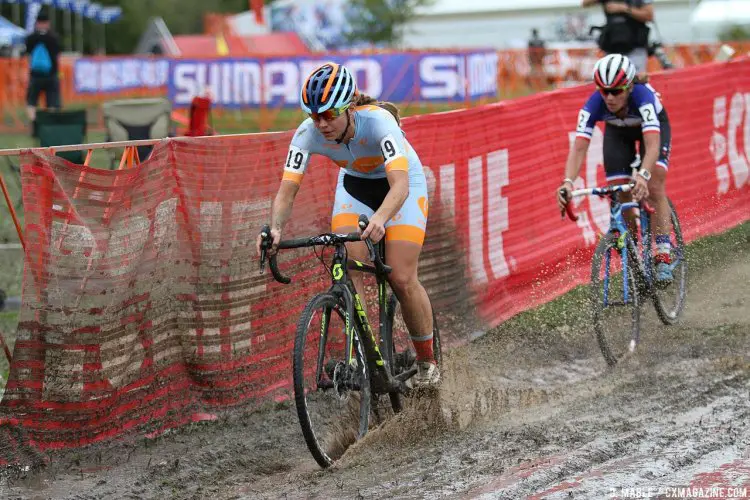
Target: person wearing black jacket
x,y
43,51
626,31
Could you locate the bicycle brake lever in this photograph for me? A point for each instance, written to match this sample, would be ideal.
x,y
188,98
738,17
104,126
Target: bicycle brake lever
x,y
265,233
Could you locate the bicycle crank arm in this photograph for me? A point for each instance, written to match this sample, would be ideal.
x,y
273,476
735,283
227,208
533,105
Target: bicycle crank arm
x,y
403,377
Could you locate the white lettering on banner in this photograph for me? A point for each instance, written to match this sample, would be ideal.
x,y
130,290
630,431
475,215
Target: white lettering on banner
x,y
497,210
724,148
287,88
368,74
497,213
476,220
86,76
246,83
448,187
482,73
155,73
739,109
442,77
431,183
111,76
131,73
238,83
186,83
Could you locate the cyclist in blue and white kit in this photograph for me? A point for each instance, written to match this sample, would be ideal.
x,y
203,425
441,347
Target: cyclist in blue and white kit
x,y
633,113
381,176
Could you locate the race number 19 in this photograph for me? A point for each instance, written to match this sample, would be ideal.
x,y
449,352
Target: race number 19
x,y
296,160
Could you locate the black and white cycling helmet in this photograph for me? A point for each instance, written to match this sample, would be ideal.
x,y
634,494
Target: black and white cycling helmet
x,y
614,71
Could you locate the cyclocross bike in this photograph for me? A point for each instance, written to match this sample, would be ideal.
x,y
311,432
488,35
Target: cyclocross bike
x,y
636,282
340,369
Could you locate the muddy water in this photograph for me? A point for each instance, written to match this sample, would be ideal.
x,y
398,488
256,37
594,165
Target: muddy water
x,y
526,414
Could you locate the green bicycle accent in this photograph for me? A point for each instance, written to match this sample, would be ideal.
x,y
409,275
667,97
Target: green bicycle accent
x,y
366,324
338,272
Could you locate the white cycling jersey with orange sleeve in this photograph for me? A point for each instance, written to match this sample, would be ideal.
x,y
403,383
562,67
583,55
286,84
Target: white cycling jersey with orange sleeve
x,y
378,146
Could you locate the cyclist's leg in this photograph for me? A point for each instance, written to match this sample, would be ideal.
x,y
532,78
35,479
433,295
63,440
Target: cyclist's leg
x,y
345,219
619,154
405,235
658,199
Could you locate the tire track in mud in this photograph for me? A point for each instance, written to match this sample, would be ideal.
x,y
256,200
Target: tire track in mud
x,y
522,413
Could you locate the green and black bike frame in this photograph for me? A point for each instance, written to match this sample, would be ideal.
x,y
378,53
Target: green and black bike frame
x,y
355,315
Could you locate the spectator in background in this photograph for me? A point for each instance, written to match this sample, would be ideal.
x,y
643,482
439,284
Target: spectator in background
x,y
43,51
536,60
626,31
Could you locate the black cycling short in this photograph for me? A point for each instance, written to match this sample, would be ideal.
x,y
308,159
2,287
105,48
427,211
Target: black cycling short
x,y
371,192
620,152
50,85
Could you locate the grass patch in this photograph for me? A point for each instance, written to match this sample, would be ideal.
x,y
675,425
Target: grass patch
x,y
8,324
573,307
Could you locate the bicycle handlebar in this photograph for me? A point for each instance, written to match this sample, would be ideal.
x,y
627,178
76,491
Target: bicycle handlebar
x,y
326,239
600,191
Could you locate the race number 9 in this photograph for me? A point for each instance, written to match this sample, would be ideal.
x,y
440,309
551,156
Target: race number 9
x,y
389,149
296,160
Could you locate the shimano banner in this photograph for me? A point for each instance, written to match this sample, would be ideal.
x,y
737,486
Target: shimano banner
x,y
115,74
275,82
399,77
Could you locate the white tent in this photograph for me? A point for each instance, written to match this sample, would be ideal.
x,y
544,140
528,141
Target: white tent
x,y
721,12
10,34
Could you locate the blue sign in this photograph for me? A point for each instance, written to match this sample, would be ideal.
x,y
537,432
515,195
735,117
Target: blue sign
x,y
251,83
117,74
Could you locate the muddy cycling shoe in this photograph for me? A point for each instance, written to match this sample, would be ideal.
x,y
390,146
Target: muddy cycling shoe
x,y
663,274
427,375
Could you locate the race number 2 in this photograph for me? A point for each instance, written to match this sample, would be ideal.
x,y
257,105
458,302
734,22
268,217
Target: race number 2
x,y
648,113
296,160
583,120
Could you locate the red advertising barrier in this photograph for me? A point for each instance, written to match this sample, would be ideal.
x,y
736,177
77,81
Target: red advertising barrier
x,y
143,308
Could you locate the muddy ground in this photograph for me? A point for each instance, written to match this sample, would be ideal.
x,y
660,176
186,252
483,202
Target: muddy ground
x,y
528,410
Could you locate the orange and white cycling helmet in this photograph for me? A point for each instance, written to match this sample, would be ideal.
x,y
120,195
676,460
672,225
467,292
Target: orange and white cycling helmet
x,y
331,86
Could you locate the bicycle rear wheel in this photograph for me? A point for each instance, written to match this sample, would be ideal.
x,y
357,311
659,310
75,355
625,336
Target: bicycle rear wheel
x,y
331,396
616,320
669,300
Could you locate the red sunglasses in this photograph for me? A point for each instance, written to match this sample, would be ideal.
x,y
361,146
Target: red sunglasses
x,y
329,114
615,91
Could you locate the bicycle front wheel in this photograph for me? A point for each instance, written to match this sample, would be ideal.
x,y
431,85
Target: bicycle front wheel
x,y
332,396
614,300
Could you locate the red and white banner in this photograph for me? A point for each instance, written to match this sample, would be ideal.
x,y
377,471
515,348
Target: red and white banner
x,y
142,303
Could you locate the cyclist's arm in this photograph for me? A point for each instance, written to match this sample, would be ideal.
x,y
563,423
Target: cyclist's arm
x,y
576,155
295,164
397,194
650,126
393,149
587,118
652,142
283,203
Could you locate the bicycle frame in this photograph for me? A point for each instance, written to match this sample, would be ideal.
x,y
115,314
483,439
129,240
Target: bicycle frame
x,y
355,316
344,287
618,224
